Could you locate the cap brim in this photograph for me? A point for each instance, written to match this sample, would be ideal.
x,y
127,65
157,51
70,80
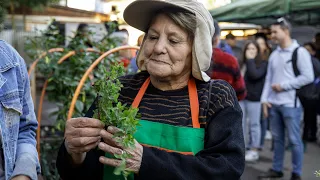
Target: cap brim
x,y
140,13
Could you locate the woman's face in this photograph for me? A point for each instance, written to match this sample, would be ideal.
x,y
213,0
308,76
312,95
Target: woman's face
x,y
310,50
167,49
251,51
262,44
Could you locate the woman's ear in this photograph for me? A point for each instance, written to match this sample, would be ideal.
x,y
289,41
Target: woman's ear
x,y
141,57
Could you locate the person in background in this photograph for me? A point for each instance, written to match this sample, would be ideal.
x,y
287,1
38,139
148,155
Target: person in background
x,y
310,106
83,34
111,26
18,123
256,70
225,47
311,48
237,51
133,65
317,43
225,66
280,103
122,37
265,51
56,30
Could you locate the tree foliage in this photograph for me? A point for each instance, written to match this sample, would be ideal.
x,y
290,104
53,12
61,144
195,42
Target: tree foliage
x,y
3,11
13,4
63,80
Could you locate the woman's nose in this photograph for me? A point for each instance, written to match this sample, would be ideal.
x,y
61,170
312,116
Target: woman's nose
x,y
160,46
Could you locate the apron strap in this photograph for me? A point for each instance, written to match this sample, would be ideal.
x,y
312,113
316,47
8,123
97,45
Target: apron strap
x,y
193,97
194,103
140,94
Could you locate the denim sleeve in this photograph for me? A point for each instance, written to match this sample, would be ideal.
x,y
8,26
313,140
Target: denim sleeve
x,y
27,162
306,76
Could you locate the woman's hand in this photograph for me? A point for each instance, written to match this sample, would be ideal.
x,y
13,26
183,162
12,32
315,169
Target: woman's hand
x,y
81,135
110,145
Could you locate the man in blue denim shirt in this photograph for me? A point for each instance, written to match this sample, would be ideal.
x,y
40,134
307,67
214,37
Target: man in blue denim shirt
x,y
18,123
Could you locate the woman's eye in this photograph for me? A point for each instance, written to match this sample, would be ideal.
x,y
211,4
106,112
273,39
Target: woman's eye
x,y
153,37
173,41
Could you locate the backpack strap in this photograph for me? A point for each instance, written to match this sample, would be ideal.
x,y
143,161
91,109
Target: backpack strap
x,y
294,60
296,71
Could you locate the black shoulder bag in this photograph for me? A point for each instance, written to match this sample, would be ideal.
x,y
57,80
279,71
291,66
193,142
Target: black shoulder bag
x,y
309,91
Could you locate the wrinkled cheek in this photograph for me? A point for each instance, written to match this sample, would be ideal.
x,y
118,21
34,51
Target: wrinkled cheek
x,y
146,48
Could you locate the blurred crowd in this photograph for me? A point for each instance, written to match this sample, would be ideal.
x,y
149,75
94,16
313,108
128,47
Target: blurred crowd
x,y
277,88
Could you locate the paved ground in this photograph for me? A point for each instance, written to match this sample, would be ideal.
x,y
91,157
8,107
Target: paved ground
x,y
311,163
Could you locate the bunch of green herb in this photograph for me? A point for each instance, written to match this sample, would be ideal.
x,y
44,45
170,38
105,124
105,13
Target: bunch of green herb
x,y
113,113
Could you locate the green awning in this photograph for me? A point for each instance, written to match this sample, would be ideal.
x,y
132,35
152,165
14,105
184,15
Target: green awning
x,y
264,12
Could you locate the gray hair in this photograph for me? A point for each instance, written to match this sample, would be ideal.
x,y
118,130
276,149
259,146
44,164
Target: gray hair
x,y
185,20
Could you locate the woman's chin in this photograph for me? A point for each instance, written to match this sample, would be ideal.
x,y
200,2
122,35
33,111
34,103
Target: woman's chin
x,y
160,71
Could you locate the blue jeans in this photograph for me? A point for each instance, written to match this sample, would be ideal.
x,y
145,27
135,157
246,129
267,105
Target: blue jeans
x,y
264,127
251,111
289,118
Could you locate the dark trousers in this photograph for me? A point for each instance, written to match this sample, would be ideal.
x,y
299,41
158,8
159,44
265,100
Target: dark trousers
x,y
310,119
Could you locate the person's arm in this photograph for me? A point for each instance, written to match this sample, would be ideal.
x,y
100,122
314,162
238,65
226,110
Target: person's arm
x,y
223,154
27,162
91,168
267,84
306,76
238,83
255,72
316,66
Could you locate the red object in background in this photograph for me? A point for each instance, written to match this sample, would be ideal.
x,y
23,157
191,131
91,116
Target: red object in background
x,y
125,62
226,67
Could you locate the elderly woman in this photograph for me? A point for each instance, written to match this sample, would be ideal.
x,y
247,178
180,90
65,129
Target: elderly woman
x,y
191,126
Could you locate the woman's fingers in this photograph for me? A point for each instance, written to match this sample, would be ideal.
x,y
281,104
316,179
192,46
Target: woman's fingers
x,y
85,122
110,162
109,149
81,149
113,130
86,132
83,141
133,162
82,133
108,138
89,147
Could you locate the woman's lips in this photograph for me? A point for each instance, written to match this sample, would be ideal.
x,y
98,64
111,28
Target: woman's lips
x,y
159,61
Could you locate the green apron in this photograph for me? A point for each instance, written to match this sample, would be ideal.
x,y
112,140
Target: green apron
x,y
184,140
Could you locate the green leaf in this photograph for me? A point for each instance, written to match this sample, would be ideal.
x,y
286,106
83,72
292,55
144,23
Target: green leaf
x,y
50,87
79,106
118,170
